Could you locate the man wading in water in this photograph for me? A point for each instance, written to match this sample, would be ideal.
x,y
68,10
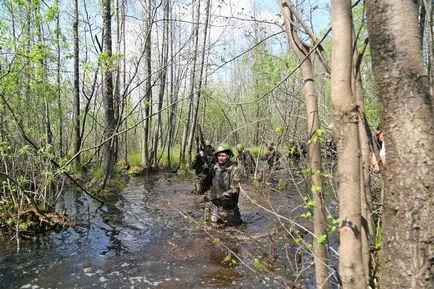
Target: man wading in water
x,y
223,197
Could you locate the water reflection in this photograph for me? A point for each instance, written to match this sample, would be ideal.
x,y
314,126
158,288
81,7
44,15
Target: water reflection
x,y
140,239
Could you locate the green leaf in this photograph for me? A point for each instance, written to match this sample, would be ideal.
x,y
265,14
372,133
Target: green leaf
x,y
309,204
319,134
322,239
306,215
278,130
315,188
307,171
52,13
258,265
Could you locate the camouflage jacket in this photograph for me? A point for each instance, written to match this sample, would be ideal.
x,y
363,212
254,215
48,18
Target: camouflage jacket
x,y
225,184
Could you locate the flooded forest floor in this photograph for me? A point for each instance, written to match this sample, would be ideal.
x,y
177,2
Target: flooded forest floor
x,y
153,235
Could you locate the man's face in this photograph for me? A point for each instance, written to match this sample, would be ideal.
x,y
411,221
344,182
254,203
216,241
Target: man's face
x,y
222,158
380,135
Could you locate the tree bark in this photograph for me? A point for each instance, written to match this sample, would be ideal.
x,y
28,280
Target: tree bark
x,y
76,101
42,78
58,82
430,59
110,123
148,85
200,78
346,119
163,76
320,249
407,118
117,101
174,90
365,158
191,106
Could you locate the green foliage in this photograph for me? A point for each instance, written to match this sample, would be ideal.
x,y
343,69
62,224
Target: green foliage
x,y
46,151
326,174
306,171
319,135
292,149
109,62
5,148
230,260
257,151
372,110
258,265
332,223
278,130
378,236
174,157
315,188
52,12
308,203
135,158
306,215
322,239
97,173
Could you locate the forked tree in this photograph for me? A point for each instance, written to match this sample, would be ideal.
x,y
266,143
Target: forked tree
x,y
304,56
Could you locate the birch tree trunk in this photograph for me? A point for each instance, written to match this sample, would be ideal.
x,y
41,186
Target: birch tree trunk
x,y
346,119
320,249
408,121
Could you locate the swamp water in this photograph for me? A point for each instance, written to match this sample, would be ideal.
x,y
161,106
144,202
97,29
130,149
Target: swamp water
x,y
151,236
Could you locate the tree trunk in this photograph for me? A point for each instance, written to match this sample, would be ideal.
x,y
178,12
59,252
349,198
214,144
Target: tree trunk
x,y
110,123
77,135
163,77
346,119
120,92
200,78
171,93
124,76
58,82
320,249
42,78
148,85
174,91
408,121
365,157
430,59
191,107
117,102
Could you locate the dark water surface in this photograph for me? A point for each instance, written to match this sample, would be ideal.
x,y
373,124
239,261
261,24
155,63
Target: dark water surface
x,y
142,239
